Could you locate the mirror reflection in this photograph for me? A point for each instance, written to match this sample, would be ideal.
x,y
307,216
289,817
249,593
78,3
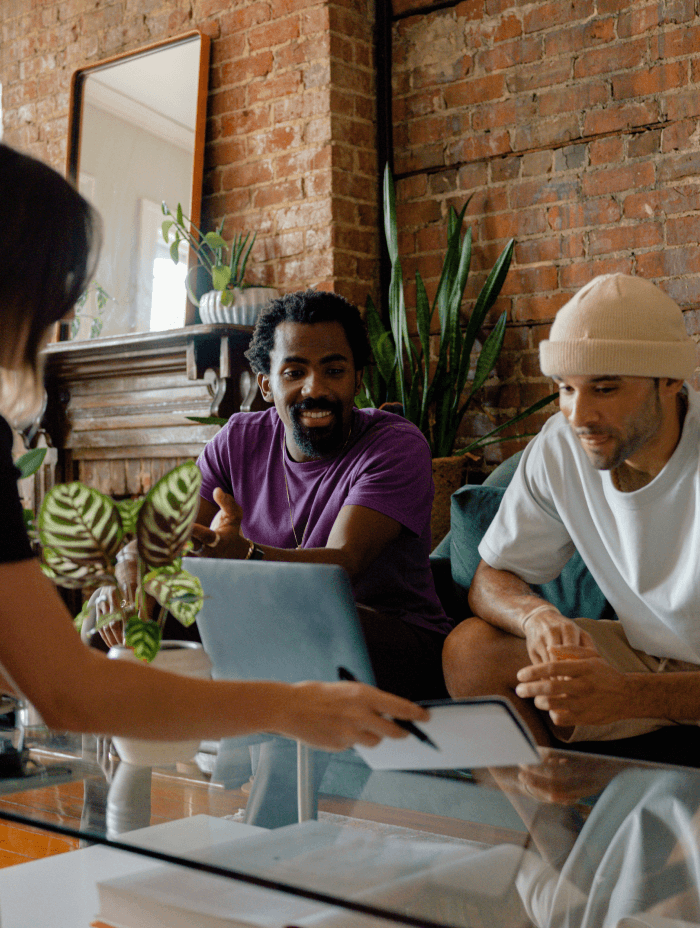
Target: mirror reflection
x,y
138,143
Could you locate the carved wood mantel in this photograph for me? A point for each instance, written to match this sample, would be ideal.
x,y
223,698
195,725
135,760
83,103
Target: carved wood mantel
x,y
117,407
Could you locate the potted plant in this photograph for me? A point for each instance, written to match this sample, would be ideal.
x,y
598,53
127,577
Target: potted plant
x,y
230,299
87,540
436,397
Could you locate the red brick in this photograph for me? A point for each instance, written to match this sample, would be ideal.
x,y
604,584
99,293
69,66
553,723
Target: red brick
x,y
678,166
646,143
595,212
535,307
243,69
625,238
641,18
572,99
504,113
671,262
659,79
662,202
621,117
510,54
615,180
590,62
530,280
550,190
682,105
605,151
557,12
475,90
546,132
682,230
536,251
672,43
577,275
541,74
272,88
679,136
478,147
274,33
576,36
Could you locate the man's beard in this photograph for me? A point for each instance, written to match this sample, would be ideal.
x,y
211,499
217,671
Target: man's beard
x,y
318,441
638,431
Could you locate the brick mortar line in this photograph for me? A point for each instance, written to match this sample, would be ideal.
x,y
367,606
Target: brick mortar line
x,y
555,146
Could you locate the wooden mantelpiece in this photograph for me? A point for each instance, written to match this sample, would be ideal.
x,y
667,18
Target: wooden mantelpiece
x,y
117,407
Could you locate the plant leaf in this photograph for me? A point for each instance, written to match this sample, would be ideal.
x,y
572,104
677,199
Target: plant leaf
x,y
482,440
165,229
129,512
208,420
80,524
214,240
30,462
220,276
71,575
176,590
144,637
489,353
167,515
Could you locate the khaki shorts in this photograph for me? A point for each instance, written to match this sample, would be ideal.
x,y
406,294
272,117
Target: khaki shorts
x,y
612,643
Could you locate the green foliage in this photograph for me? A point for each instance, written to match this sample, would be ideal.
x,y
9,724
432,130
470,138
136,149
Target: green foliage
x,y
82,531
436,401
144,636
101,300
225,272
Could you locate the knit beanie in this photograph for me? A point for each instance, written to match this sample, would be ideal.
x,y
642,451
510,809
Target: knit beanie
x,y
622,326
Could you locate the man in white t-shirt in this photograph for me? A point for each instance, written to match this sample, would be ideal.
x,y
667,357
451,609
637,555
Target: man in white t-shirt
x,y
616,475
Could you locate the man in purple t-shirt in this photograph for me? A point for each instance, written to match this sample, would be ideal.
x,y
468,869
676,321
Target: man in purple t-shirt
x,y
314,479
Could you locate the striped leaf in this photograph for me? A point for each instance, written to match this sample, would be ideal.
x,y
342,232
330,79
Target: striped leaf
x,y
176,590
144,637
80,524
168,512
67,573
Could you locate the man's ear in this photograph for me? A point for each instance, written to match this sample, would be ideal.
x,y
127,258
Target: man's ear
x,y
358,380
264,384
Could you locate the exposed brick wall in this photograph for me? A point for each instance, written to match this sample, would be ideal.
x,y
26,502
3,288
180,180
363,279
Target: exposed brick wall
x,y
290,134
574,125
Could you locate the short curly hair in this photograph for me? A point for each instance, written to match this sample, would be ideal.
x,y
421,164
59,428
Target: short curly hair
x,y
307,306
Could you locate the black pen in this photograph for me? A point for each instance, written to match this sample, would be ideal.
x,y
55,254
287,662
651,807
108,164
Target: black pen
x,y
344,674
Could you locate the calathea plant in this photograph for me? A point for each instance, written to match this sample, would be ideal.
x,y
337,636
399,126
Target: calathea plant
x,y
84,534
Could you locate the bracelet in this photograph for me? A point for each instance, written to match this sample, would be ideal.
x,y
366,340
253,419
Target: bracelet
x,y
254,552
534,612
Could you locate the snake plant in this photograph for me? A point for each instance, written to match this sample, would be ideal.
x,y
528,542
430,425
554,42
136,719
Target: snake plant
x,y
435,397
82,531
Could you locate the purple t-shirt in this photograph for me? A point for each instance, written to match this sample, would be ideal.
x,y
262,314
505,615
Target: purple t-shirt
x,y
386,466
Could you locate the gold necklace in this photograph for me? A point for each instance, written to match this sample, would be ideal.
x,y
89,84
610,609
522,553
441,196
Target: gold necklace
x,y
300,544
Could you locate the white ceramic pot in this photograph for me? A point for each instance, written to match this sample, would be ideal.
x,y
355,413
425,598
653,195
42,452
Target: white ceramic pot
x,y
245,309
187,658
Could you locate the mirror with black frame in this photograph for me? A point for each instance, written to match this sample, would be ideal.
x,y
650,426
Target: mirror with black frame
x,y
136,140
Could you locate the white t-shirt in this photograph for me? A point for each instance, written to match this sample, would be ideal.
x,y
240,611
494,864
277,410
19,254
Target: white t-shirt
x,y
642,548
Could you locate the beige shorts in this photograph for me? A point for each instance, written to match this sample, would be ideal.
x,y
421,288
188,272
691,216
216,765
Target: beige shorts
x,y
612,643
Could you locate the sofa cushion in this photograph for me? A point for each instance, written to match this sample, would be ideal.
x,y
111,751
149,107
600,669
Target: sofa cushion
x,y
574,592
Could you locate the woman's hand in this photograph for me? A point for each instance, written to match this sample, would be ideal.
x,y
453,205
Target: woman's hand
x,y
335,716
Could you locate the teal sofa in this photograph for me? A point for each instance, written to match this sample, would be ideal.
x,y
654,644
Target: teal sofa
x,y
454,561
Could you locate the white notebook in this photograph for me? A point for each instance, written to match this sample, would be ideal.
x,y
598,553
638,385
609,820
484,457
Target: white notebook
x,y
481,732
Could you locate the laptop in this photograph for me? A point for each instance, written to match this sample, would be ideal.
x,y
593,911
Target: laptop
x,y
271,620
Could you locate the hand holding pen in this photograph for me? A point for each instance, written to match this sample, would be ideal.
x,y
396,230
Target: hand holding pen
x,y
344,674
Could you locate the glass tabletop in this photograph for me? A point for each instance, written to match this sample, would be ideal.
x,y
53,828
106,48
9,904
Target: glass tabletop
x,y
576,840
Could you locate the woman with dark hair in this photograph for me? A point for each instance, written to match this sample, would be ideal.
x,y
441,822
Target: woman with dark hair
x,y
48,243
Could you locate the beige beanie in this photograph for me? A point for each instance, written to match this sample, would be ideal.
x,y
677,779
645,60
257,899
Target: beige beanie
x,y
619,325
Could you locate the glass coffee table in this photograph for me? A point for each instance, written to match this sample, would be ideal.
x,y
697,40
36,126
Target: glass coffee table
x,y
577,840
